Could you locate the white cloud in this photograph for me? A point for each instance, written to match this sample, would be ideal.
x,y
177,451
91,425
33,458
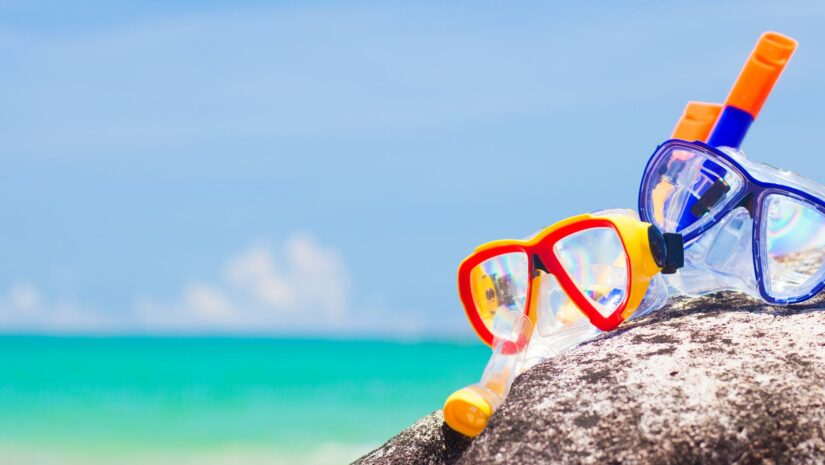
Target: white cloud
x,y
210,302
25,297
304,286
254,271
25,308
300,287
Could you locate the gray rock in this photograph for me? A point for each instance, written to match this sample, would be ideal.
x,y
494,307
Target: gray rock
x,y
721,379
428,441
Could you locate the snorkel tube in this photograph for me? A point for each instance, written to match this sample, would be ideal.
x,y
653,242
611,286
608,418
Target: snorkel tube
x,y
747,96
753,86
710,267
696,121
468,409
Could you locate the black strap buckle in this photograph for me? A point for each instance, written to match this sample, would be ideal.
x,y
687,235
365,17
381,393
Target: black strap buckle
x,y
668,250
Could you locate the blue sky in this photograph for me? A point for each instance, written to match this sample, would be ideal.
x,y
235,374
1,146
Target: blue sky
x,y
320,168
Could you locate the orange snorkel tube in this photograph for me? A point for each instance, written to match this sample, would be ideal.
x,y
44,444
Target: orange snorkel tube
x,y
747,96
753,86
697,121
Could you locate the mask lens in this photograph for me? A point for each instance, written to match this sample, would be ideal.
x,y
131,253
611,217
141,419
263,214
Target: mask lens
x,y
595,259
794,236
685,187
500,284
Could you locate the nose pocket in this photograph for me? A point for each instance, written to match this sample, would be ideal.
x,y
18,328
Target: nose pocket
x,y
554,309
731,251
720,259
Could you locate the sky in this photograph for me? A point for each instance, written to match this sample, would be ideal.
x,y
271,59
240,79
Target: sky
x,y
321,168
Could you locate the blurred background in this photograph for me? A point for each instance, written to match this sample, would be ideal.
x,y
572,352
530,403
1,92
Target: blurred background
x,y
229,231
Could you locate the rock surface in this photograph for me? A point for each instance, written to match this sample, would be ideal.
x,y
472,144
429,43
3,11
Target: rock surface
x,y
721,379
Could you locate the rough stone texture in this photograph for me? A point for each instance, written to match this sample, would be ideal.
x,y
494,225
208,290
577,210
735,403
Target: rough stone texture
x,y
721,379
428,441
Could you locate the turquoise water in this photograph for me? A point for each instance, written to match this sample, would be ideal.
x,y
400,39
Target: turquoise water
x,y
217,400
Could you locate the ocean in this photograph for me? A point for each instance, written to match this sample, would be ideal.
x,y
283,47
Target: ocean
x,y
137,400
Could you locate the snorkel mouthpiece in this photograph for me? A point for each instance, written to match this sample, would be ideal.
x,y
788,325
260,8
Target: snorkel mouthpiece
x,y
752,87
469,409
668,249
